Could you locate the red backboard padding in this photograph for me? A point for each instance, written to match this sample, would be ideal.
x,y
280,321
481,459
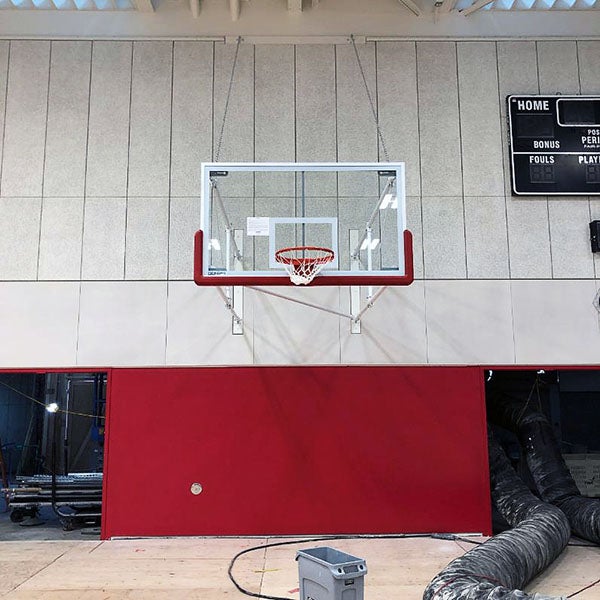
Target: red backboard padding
x,y
296,450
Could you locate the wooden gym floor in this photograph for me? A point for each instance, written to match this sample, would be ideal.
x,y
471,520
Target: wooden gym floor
x,y
196,568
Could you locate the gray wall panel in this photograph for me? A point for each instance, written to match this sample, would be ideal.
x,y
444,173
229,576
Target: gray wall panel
x,y
274,101
305,103
469,322
68,104
527,218
398,110
4,51
316,137
517,74
108,135
61,238
483,169
184,221
589,66
237,143
191,142
569,236
487,244
414,221
194,315
274,116
555,321
25,125
146,240
39,319
444,238
289,333
150,127
357,134
588,53
517,69
103,254
19,242
399,338
558,64
595,215
441,163
122,323
528,238
558,67
356,138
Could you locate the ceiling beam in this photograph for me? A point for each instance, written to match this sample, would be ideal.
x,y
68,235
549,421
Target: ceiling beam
x,y
234,8
294,6
411,6
475,7
195,8
447,6
143,5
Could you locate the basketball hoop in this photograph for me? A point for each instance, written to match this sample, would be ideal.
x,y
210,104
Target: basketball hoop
x,y
304,263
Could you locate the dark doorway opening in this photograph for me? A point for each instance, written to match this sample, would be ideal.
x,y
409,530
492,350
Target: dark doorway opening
x,y
570,401
52,453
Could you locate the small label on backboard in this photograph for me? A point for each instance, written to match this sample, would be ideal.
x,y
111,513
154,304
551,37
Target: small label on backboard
x,y
257,226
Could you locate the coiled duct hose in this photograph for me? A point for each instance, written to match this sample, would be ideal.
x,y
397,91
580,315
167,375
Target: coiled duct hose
x,y
546,464
498,568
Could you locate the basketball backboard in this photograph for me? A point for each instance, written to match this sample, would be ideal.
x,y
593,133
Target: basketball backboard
x,y
250,211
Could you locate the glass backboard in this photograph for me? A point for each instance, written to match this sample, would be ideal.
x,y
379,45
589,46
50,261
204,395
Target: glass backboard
x,y
249,211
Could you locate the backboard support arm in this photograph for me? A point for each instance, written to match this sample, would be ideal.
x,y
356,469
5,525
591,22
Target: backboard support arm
x,y
354,318
369,225
229,227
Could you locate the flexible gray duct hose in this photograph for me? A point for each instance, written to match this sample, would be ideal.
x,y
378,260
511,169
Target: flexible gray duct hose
x,y
546,464
496,569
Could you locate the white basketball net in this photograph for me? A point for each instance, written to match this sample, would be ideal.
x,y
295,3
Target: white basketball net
x,y
304,263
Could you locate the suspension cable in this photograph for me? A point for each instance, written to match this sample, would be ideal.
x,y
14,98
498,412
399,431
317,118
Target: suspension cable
x,y
372,104
235,58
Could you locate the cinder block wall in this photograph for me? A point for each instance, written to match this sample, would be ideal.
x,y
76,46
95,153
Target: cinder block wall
x,y
101,144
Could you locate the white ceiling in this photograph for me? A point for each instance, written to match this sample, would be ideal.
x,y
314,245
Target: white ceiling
x,y
299,20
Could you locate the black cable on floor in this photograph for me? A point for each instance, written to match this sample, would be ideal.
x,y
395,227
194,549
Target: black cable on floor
x,y
435,536
583,545
468,541
476,543
587,587
315,539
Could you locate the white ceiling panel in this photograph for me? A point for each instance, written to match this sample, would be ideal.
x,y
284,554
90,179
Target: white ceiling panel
x,y
290,21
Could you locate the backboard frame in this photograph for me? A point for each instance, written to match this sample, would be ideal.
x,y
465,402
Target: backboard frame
x,y
278,277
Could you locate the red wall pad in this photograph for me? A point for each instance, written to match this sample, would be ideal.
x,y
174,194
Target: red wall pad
x,y
296,450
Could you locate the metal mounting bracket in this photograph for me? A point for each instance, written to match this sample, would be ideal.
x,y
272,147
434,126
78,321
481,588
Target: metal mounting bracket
x,y
354,289
233,296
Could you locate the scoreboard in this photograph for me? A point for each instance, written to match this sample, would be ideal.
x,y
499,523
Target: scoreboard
x,y
554,145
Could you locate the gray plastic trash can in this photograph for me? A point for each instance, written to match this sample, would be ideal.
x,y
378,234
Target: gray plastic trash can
x,y
328,574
